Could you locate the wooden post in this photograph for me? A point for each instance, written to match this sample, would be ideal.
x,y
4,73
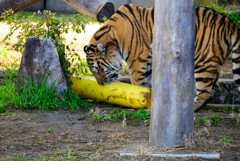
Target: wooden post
x,y
97,9
16,5
173,72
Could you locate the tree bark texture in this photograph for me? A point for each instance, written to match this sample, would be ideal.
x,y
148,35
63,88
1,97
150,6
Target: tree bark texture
x,y
16,5
97,9
173,73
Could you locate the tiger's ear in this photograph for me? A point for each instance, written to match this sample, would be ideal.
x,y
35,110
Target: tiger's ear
x,y
86,49
101,49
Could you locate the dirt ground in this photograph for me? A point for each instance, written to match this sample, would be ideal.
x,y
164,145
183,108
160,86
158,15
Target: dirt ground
x,y
76,135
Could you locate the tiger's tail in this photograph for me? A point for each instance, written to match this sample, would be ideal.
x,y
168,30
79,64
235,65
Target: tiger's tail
x,y
235,39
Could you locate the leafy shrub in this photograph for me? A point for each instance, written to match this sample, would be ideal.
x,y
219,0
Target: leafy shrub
x,y
4,52
49,27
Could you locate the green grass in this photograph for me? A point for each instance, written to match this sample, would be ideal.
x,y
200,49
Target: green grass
x,y
203,120
227,140
213,119
216,119
2,109
36,96
222,109
141,114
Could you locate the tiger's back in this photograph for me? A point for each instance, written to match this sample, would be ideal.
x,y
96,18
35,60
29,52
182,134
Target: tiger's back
x,y
128,36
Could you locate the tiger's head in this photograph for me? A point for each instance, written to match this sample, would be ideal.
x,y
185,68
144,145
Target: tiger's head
x,y
104,61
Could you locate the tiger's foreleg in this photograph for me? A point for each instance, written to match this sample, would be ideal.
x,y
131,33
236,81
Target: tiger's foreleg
x,y
141,71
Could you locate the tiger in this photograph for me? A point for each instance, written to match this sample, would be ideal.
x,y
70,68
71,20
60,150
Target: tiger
x,y
128,36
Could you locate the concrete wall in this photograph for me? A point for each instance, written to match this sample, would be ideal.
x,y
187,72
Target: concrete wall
x,y
142,3
60,5
37,6
54,5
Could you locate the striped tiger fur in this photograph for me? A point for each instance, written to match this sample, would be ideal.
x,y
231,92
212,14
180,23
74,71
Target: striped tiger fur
x,y
128,35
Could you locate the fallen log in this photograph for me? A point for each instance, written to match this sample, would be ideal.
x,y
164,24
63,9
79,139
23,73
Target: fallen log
x,y
97,9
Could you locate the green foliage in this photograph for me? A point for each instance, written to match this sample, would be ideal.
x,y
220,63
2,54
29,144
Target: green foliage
x,y
141,114
208,120
203,120
105,19
7,88
235,16
232,14
226,140
37,96
222,109
49,130
79,66
69,151
4,52
48,27
216,119
19,159
2,109
6,14
197,126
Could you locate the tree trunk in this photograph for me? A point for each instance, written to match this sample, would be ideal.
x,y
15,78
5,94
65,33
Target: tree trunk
x,y
97,9
173,72
16,5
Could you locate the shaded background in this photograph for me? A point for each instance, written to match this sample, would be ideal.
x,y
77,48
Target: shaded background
x,y
61,6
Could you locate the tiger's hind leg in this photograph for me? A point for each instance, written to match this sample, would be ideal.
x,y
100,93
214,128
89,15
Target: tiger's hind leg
x,y
204,86
236,64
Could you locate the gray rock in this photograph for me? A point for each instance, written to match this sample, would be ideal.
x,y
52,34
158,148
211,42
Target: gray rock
x,y
225,93
40,60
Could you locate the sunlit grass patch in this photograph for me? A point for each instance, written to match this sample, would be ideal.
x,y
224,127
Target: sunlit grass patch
x,y
36,95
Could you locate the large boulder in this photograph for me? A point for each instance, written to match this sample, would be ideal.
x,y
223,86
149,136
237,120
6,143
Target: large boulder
x,y
40,61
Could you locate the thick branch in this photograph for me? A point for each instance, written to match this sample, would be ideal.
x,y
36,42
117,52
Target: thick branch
x,y
16,5
97,9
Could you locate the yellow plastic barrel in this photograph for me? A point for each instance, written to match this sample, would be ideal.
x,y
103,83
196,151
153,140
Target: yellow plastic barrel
x,y
115,93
